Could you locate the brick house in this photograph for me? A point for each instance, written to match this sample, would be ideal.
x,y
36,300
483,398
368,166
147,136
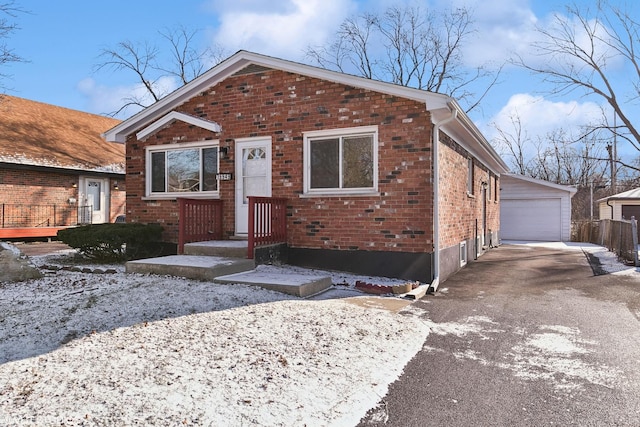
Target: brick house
x,y
55,169
354,158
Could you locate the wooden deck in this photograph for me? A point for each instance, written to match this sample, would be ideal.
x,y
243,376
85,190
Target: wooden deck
x,y
29,232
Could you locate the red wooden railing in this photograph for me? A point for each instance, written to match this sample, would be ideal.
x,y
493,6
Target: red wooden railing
x,y
267,222
200,220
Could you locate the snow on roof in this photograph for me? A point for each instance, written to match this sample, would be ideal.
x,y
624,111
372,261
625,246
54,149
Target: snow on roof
x,y
37,134
630,194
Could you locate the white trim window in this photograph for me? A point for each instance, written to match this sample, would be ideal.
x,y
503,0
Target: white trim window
x,y
470,176
341,161
176,169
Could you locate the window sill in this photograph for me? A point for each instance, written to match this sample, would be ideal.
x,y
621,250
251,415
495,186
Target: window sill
x,y
318,195
177,196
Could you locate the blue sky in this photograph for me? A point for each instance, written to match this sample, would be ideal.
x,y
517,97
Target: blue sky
x,y
62,41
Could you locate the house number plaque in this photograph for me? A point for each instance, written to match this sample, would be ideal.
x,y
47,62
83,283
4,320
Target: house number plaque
x,y
225,176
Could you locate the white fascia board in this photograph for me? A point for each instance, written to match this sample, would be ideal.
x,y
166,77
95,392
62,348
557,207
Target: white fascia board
x,y
567,188
173,116
240,60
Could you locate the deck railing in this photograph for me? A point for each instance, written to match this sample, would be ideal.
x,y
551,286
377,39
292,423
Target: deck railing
x,y
200,220
267,222
33,216
18,221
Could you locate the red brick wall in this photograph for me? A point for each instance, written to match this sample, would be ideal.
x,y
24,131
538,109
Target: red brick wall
x,y
118,198
283,106
459,210
42,188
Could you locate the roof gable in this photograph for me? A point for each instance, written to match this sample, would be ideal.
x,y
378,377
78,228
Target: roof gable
x,y
243,62
461,129
37,134
172,117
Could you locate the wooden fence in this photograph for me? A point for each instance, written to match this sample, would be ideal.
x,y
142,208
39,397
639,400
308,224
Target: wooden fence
x,y
620,237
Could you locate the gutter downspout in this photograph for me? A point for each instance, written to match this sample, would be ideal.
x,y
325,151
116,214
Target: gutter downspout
x,y
611,206
436,196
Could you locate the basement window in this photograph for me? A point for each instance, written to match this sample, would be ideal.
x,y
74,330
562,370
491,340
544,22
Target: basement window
x,y
463,253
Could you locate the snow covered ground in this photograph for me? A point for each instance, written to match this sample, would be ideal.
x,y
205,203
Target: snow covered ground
x,y
123,349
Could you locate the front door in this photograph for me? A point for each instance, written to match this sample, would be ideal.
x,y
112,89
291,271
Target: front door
x,y
94,200
253,176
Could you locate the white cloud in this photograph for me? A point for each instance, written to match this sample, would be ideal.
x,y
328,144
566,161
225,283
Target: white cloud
x,y
103,99
539,116
503,27
284,29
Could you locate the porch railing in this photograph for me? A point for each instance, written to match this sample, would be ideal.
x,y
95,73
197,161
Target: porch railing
x,y
267,222
35,216
200,220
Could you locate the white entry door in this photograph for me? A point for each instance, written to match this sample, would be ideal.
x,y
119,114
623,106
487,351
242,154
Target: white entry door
x,y
253,176
94,200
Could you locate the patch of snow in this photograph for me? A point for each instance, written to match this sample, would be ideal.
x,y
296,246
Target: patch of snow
x,y
186,260
9,247
24,159
552,353
130,349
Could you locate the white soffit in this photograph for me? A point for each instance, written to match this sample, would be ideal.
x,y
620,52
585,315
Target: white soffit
x,y
176,115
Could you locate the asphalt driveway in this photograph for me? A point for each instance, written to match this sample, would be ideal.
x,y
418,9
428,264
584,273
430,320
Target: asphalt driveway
x,y
526,336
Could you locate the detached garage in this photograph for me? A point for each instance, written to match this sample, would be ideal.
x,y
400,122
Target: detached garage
x,y
621,206
533,209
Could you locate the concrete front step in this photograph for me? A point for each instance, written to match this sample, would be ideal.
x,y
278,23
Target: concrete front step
x,y
230,270
300,286
220,248
190,266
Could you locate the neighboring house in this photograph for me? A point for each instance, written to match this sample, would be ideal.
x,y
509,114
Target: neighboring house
x,y
533,209
354,158
55,169
621,206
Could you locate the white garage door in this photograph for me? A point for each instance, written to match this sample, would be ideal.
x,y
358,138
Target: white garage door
x,y
527,219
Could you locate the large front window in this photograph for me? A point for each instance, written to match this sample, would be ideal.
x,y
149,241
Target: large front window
x,y
188,168
341,161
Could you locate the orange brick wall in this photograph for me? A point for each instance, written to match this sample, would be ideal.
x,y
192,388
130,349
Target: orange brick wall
x,y
283,106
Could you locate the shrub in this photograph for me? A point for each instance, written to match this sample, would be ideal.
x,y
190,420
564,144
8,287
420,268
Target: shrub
x,y
114,242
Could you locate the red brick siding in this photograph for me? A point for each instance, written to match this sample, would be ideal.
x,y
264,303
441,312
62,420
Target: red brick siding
x,y
282,106
118,198
42,188
459,210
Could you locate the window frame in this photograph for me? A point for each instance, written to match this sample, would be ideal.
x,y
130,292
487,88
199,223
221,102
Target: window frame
x,y
201,145
470,176
340,134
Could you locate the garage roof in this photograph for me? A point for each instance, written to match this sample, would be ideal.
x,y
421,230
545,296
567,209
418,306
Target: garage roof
x,y
542,182
631,194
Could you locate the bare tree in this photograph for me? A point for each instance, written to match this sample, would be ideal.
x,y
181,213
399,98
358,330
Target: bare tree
x,y
8,12
411,47
513,144
150,65
578,53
